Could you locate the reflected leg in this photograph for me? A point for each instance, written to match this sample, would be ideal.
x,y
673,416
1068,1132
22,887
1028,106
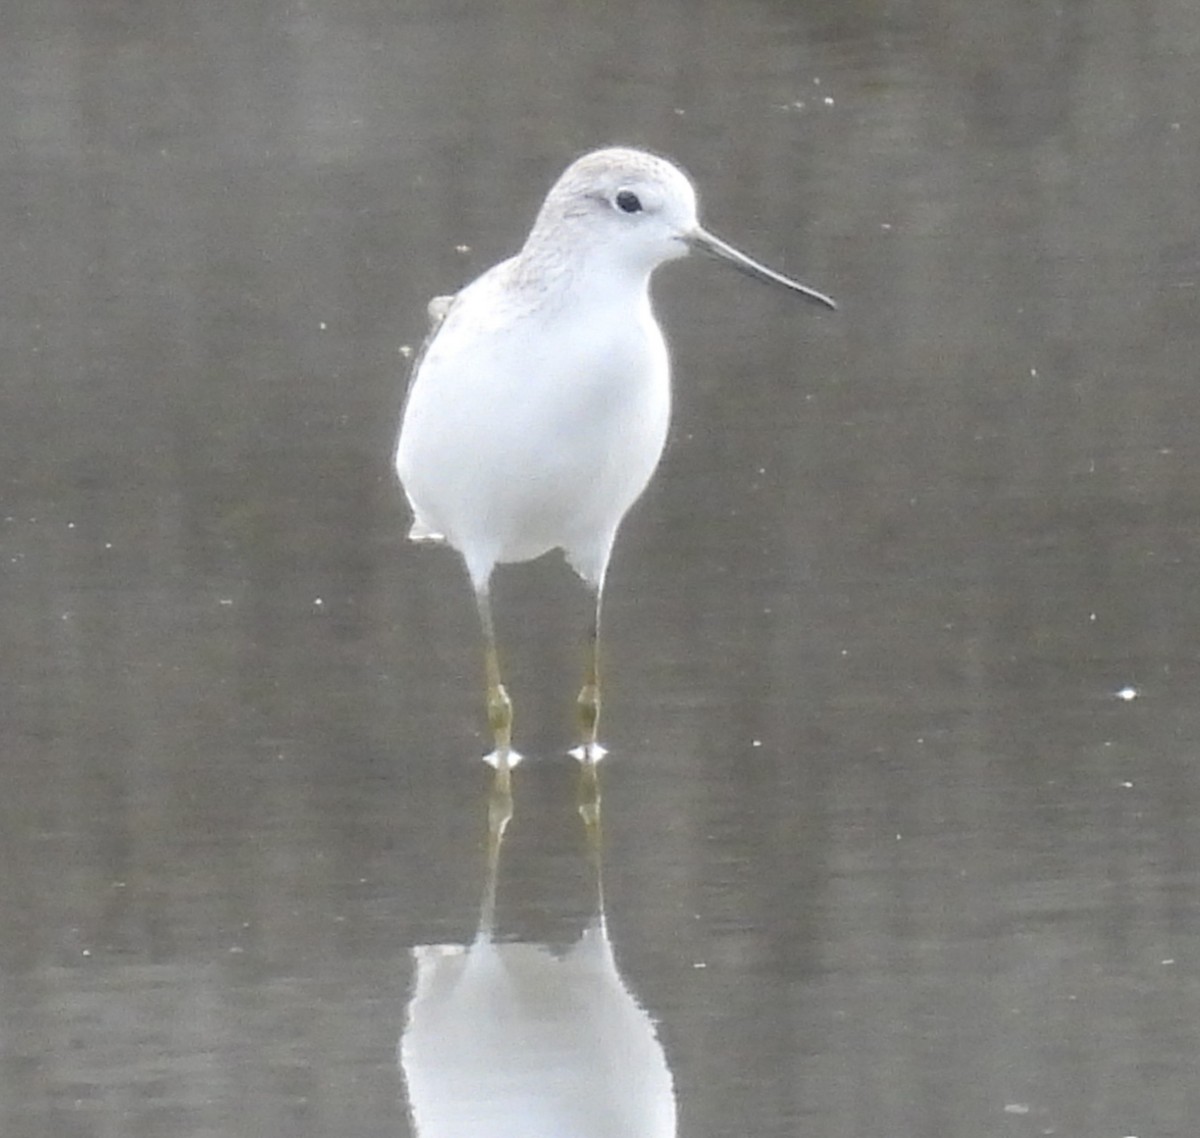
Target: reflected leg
x,y
589,805
589,750
499,814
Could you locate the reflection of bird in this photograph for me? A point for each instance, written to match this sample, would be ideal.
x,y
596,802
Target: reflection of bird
x,y
538,407
511,1040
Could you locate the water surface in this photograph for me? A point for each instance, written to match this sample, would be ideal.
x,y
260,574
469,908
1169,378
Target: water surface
x,y
900,815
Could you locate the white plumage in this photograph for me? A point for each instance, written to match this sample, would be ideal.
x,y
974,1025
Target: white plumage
x,y
539,406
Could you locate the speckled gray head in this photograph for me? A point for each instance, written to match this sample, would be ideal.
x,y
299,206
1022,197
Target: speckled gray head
x,y
634,209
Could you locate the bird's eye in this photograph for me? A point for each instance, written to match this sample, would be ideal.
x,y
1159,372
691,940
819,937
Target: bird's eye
x,y
628,202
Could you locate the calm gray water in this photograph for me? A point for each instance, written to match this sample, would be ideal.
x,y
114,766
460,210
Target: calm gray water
x,y
904,641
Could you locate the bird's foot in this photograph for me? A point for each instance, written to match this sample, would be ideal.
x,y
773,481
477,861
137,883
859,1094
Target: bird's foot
x,y
498,758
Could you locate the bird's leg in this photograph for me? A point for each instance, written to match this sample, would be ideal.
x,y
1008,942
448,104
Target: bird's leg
x,y
589,751
499,706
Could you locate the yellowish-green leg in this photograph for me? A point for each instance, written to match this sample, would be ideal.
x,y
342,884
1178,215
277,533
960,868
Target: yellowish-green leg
x,y
499,706
589,750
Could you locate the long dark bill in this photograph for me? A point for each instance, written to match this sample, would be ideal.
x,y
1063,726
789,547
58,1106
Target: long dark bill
x,y
705,242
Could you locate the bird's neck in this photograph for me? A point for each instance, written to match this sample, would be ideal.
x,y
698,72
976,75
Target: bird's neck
x,y
593,274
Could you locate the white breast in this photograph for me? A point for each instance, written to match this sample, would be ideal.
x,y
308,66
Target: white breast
x,y
532,430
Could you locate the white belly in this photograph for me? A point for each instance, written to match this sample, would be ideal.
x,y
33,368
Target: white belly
x,y
537,434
